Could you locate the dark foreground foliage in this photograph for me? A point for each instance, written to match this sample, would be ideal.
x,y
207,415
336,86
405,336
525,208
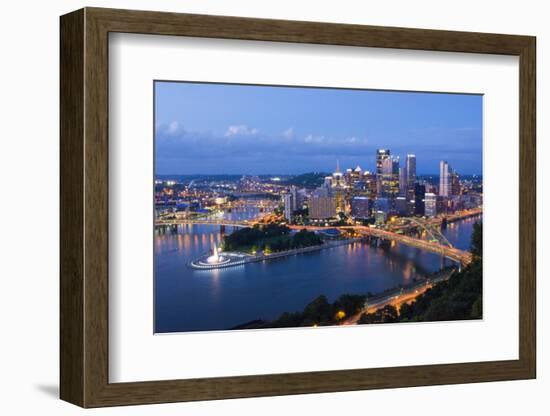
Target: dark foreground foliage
x,y
318,312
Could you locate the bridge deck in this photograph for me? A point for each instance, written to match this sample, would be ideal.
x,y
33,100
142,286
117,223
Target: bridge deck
x,y
461,256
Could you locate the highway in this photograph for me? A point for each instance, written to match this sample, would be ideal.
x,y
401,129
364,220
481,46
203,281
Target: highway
x,y
398,297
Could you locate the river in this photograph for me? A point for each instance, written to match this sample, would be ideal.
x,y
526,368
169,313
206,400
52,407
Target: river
x,y
197,300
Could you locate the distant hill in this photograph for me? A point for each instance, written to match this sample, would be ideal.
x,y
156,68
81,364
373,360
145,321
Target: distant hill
x,y
200,177
306,180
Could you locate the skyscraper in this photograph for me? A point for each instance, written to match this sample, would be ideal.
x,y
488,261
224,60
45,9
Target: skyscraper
x,y
430,205
402,206
337,176
294,198
287,199
386,167
419,195
361,207
403,181
381,155
338,187
395,166
382,204
370,183
383,163
387,174
410,166
444,179
353,176
301,197
455,184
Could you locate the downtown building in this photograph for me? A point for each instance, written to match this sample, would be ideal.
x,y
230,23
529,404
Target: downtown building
x,y
353,176
381,156
430,204
403,181
394,181
322,203
388,177
288,206
449,189
419,195
293,201
369,184
410,167
411,170
361,207
402,206
337,188
407,177
444,182
322,207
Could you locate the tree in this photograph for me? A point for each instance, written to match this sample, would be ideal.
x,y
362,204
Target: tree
x,y
406,311
350,304
318,311
477,240
254,235
477,309
304,238
289,319
387,314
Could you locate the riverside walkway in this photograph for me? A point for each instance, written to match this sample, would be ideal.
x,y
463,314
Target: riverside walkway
x,y
240,259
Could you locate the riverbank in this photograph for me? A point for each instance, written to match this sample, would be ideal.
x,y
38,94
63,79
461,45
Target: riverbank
x,y
399,295
348,308
239,259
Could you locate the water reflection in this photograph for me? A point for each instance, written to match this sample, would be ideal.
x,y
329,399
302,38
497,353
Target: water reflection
x,y
190,300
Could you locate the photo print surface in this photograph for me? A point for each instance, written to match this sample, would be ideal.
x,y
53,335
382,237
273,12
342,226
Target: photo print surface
x,y
304,207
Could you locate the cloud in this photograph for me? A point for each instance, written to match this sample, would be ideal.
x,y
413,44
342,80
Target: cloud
x,y
310,138
240,130
334,144
170,130
173,127
245,149
288,133
175,141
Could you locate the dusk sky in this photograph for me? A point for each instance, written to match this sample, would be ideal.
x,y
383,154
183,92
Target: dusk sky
x,y
238,129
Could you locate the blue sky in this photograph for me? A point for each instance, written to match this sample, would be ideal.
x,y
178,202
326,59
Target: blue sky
x,y
241,129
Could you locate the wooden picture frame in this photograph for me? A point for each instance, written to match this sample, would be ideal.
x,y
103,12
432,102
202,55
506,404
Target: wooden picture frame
x,y
84,207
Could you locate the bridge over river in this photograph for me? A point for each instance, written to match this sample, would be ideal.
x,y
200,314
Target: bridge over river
x,y
438,243
206,221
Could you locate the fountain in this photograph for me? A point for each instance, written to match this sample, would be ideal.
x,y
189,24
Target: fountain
x,y
215,258
218,259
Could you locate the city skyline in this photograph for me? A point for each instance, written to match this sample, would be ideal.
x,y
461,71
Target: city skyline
x,y
357,206
325,171
260,130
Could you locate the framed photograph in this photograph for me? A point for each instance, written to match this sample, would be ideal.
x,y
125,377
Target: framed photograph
x,y
255,207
